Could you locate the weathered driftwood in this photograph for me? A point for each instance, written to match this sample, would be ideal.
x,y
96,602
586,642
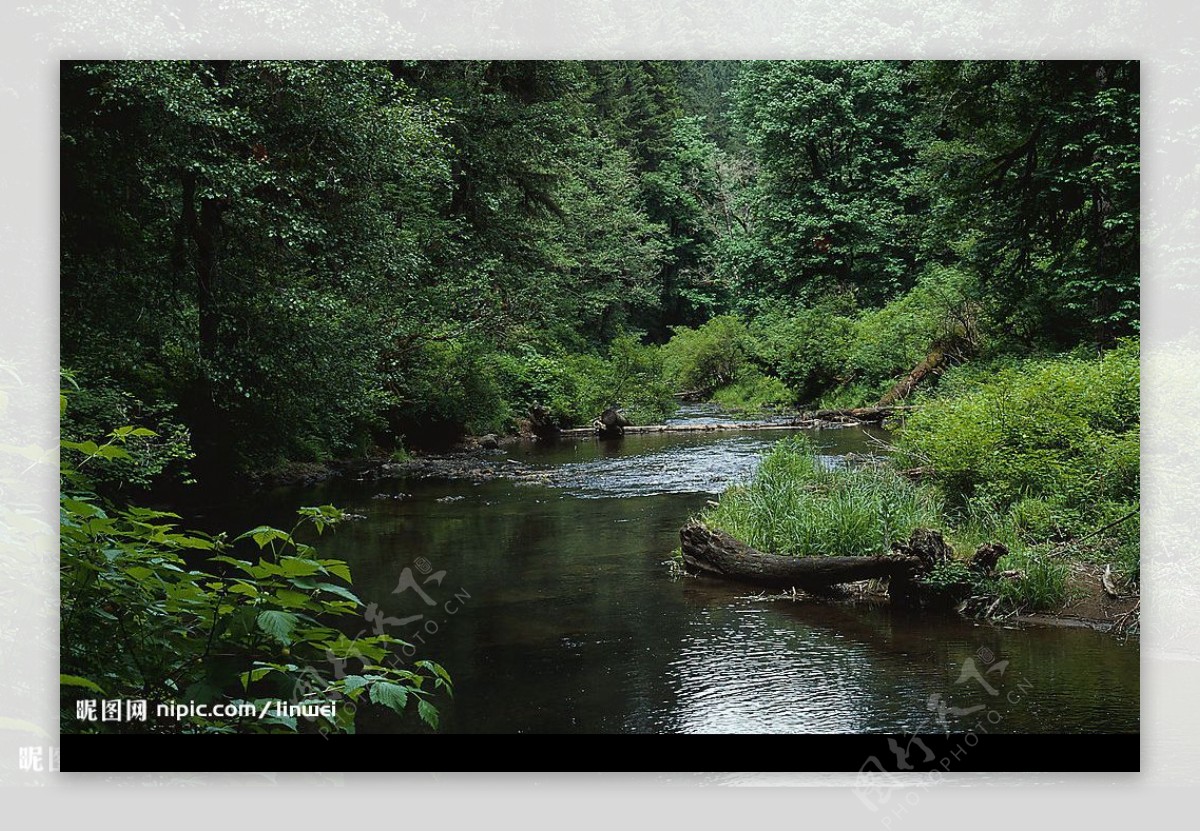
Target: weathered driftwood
x,y
712,426
858,415
714,552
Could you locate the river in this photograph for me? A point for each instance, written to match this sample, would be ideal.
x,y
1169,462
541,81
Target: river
x,y
552,606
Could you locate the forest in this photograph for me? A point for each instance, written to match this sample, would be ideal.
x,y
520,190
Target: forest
x,y
271,268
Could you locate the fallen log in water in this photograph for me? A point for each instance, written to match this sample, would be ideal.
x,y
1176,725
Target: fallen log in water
x,y
718,554
859,415
809,421
713,552
712,426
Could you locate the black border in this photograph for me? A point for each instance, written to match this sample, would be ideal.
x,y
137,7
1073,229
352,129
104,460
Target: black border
x,y
791,753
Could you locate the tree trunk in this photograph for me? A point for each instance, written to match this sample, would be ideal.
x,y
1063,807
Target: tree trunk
x,y
214,458
904,387
713,552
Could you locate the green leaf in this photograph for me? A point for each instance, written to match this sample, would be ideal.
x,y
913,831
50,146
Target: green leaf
x,y
277,624
353,683
263,535
338,568
79,682
341,591
428,713
149,513
436,668
139,573
112,452
254,675
81,508
291,598
295,567
390,694
240,564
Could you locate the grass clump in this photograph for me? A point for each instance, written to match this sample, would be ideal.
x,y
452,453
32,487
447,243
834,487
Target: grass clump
x,y
798,504
1042,585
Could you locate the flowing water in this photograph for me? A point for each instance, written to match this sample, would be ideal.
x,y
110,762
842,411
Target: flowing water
x,y
552,606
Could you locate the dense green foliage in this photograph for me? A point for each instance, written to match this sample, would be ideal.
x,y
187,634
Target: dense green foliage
x,y
153,612
1042,456
1050,439
308,258
273,261
299,260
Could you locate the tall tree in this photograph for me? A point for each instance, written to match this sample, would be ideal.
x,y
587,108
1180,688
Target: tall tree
x,y
235,234
1032,177
831,208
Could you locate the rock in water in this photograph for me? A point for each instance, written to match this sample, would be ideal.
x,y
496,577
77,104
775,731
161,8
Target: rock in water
x,y
542,422
612,422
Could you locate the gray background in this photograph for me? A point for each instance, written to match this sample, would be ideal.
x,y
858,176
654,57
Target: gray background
x,y
37,36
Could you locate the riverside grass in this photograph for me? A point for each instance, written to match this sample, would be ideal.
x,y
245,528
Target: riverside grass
x,y
798,504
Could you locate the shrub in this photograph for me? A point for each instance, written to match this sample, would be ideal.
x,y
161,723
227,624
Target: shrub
x,y
1063,430
153,612
754,391
527,378
451,384
890,341
159,451
705,359
576,388
636,380
806,348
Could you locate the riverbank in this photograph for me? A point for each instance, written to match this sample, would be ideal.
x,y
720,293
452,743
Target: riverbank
x,y
1089,606
801,521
